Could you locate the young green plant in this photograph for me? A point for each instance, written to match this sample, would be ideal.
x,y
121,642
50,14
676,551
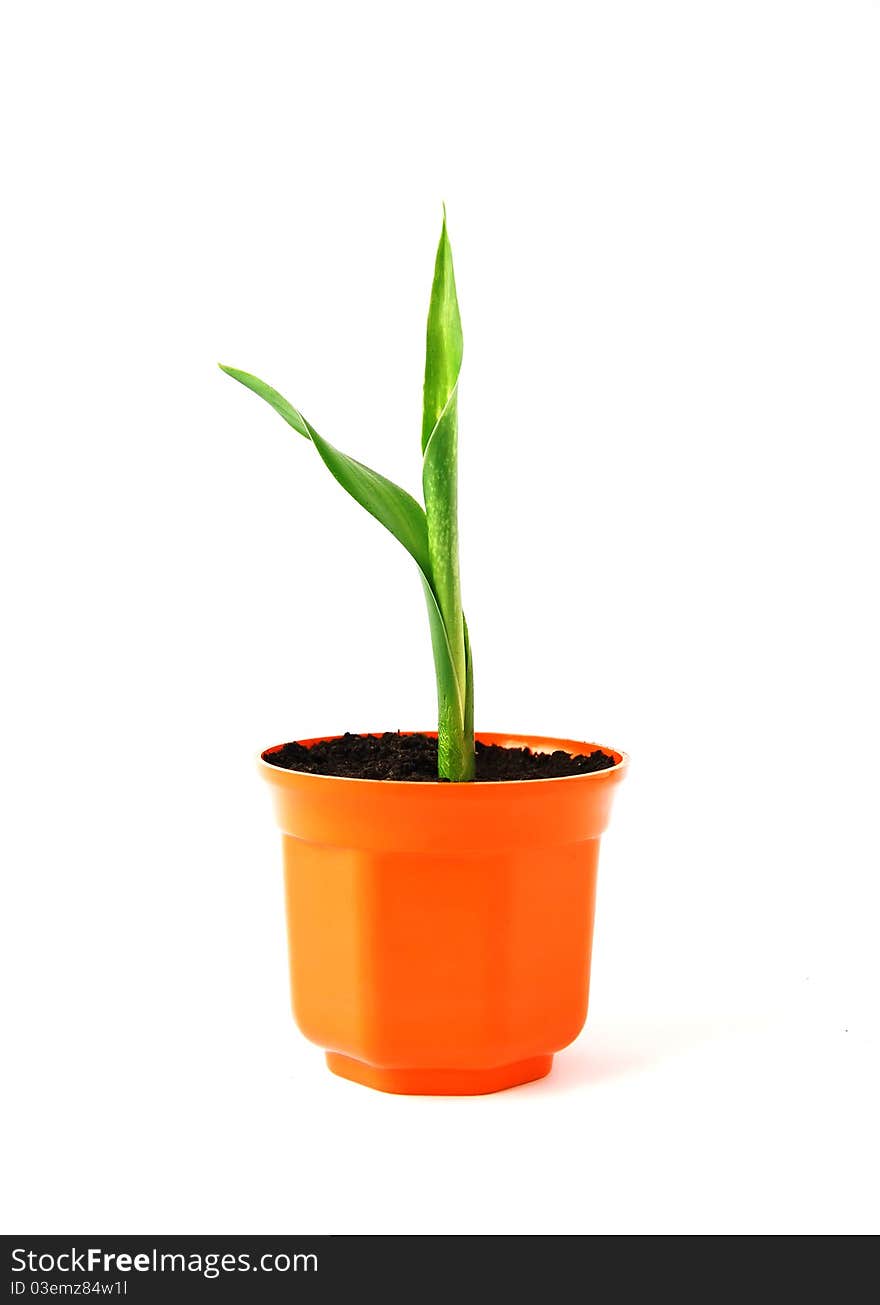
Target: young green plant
x,y
429,534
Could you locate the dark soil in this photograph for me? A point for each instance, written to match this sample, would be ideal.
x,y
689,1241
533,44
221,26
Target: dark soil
x,y
414,757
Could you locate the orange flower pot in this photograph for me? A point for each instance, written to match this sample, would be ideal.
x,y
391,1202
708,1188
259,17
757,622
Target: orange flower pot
x,y
440,934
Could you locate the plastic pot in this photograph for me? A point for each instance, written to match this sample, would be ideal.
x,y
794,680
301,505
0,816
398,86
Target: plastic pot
x,y
440,934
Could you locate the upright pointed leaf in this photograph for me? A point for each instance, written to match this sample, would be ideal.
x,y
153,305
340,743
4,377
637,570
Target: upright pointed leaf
x,y
445,343
443,355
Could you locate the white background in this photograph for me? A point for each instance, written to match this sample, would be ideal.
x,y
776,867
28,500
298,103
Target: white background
x,y
665,222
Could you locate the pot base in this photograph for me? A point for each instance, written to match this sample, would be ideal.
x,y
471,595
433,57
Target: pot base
x,y
440,1082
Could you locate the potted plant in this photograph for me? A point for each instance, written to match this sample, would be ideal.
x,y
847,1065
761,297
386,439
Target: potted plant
x,y
440,885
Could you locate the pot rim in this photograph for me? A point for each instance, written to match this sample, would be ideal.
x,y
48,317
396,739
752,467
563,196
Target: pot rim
x,y
493,736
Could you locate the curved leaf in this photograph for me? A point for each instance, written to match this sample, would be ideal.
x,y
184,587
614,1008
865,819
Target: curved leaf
x,y
272,397
397,510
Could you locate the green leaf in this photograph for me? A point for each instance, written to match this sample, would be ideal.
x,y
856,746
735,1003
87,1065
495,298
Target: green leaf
x,y
445,344
398,512
430,536
443,355
272,397
388,503
440,485
469,689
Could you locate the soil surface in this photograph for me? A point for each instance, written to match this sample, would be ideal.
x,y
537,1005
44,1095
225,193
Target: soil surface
x,y
414,757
